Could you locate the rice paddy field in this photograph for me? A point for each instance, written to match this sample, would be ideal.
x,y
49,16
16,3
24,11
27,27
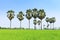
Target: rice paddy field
x,y
10,34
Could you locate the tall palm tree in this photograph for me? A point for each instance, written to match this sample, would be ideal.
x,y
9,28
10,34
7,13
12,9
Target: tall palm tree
x,y
20,17
53,21
41,15
47,20
34,14
29,15
39,22
10,15
34,22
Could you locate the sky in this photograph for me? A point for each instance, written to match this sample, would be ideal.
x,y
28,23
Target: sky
x,y
51,7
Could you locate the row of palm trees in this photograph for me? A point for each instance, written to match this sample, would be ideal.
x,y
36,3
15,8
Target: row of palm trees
x,y
50,20
29,14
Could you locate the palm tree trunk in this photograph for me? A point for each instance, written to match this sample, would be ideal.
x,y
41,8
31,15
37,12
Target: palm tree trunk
x,y
20,24
50,25
53,25
41,24
35,27
29,24
47,25
10,23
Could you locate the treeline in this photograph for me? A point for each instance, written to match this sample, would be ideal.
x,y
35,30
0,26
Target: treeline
x,y
35,13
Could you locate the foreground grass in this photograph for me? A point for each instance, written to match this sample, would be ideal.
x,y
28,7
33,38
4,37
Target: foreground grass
x,y
7,34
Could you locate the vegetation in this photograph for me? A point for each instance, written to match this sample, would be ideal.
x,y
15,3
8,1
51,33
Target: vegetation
x,y
34,22
29,15
50,20
17,34
41,15
20,17
47,20
39,22
10,15
35,13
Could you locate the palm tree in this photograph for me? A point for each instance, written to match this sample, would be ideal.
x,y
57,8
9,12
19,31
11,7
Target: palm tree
x,y
10,15
34,14
41,15
47,20
20,17
50,21
29,15
34,22
53,21
39,22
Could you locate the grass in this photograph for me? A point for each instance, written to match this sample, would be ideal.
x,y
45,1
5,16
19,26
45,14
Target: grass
x,y
7,34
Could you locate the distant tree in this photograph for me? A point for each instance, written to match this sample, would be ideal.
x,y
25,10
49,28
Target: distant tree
x,y
53,21
29,15
10,15
20,17
39,22
50,21
34,22
41,15
34,14
47,20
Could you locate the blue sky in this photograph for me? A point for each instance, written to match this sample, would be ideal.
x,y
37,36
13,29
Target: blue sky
x,y
51,7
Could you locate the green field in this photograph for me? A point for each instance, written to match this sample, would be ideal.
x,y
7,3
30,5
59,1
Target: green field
x,y
7,34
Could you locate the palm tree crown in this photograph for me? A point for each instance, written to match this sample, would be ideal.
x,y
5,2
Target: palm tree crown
x,y
10,14
41,14
29,14
47,19
34,13
53,19
20,16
